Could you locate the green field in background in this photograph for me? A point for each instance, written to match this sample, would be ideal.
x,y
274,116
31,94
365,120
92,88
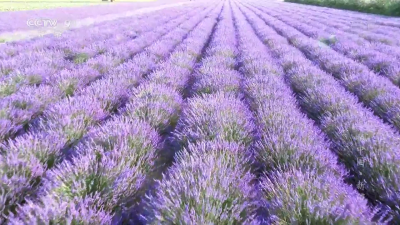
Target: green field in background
x,y
20,5
383,7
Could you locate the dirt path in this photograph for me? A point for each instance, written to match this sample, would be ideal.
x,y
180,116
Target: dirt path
x,y
67,25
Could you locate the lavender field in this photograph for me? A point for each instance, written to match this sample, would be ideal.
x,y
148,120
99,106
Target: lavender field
x,y
212,112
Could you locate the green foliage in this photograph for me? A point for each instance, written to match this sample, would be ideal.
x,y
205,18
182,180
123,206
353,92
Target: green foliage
x,y
81,58
384,7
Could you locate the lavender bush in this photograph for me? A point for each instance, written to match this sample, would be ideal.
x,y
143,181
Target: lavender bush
x,y
157,104
290,146
210,183
299,196
374,91
215,117
228,112
51,211
363,143
94,68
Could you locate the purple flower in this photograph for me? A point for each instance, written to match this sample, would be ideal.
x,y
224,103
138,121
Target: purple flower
x,y
298,197
209,183
159,105
215,117
72,117
212,81
52,209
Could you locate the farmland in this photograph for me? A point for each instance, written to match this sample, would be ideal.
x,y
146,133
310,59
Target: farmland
x,y
205,112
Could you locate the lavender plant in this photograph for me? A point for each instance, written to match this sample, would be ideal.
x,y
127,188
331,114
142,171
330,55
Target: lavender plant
x,y
374,91
212,81
102,166
215,117
53,211
364,144
175,201
209,183
350,46
157,104
150,34
291,148
82,131
306,196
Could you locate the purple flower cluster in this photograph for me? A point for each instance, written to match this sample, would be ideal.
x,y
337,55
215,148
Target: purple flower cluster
x,y
351,46
176,72
268,115
374,91
51,211
156,103
366,28
292,152
386,22
110,167
17,111
72,81
216,73
216,114
216,117
70,119
364,144
18,20
210,181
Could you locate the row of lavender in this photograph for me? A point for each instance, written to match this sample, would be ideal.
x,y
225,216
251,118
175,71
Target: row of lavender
x,y
72,48
380,38
92,157
235,118
369,31
364,144
211,183
89,41
300,179
348,37
119,155
65,123
379,52
68,38
55,77
81,37
75,46
373,90
389,22
12,21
